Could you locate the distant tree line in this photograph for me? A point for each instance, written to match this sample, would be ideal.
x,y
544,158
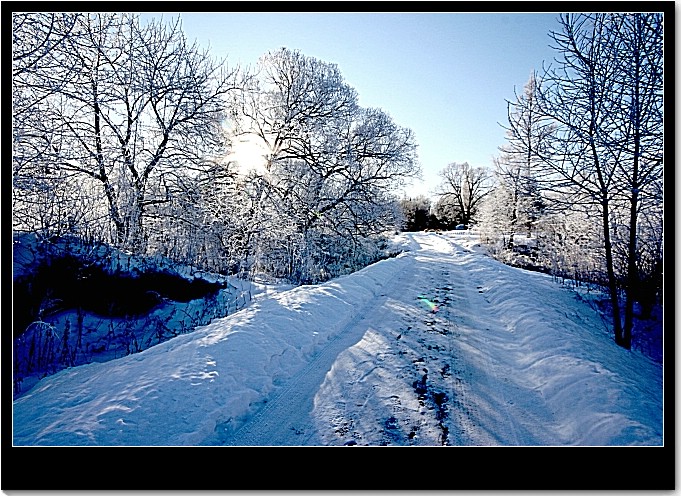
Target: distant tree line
x,y
122,132
462,191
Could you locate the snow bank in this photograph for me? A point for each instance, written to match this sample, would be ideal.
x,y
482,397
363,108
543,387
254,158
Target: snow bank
x,y
556,345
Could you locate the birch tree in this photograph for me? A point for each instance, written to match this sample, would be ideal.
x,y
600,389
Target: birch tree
x,y
593,157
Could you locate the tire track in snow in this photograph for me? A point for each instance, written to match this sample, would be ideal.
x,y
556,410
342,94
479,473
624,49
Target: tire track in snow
x,y
490,375
521,408
443,405
447,276
285,420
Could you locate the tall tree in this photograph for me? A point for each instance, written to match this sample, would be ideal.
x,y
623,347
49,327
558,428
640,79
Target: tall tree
x,y
592,106
578,167
526,135
331,165
638,103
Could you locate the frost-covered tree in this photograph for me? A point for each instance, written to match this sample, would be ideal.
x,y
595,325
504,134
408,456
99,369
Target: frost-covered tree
x,y
638,107
569,245
141,107
577,166
44,199
594,157
495,217
515,168
331,165
516,199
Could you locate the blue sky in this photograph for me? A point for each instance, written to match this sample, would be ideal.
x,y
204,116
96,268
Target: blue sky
x,y
446,76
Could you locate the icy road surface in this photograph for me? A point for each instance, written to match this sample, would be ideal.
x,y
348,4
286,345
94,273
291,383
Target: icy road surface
x,y
438,346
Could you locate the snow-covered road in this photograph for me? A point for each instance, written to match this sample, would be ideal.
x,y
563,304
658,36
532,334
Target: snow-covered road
x,y
395,373
438,346
289,419
403,373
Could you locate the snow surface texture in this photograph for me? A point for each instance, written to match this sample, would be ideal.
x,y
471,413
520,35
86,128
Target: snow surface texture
x,y
501,356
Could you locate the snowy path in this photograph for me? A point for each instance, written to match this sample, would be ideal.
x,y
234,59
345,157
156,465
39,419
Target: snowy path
x,y
509,358
398,372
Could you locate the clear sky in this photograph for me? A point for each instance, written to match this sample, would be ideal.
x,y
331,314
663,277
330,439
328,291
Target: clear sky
x,y
446,76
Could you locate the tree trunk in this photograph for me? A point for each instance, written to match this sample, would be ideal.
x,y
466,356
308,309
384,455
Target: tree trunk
x,y
632,270
632,274
612,281
109,190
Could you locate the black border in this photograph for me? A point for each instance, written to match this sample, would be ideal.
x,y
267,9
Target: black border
x,y
329,468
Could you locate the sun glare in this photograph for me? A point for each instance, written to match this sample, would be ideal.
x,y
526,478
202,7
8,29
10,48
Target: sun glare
x,y
249,155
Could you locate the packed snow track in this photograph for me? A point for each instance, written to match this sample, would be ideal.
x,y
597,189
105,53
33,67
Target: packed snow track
x,y
396,374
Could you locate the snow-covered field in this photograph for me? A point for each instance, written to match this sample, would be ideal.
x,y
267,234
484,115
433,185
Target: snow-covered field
x,y
438,346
